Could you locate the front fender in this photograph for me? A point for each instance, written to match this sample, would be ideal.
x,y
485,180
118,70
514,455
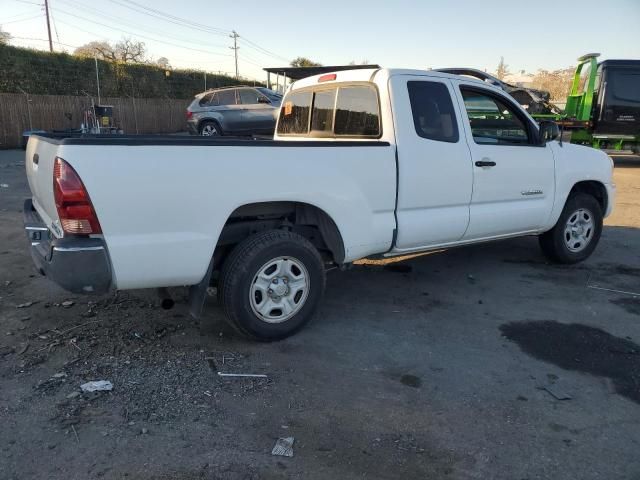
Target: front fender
x,y
575,164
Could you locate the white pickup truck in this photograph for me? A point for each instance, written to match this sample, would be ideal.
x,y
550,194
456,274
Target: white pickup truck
x,y
364,163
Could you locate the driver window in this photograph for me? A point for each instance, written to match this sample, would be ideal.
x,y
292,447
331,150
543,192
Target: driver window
x,y
492,121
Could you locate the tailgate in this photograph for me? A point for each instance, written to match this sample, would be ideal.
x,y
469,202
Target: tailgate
x,y
39,161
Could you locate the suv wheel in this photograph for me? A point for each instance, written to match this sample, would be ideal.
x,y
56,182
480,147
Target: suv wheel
x,y
210,129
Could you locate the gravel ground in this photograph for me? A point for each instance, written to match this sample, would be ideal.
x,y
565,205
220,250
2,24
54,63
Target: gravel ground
x,y
475,363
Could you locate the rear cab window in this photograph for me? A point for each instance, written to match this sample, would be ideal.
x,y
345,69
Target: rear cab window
x,y
338,110
433,115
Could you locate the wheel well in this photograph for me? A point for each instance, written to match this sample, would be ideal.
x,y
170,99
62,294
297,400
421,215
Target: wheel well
x,y
307,220
595,189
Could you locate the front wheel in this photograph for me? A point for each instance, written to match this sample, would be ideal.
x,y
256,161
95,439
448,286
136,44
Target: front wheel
x,y
271,284
577,232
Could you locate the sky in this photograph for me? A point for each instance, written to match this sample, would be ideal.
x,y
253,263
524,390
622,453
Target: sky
x,y
531,35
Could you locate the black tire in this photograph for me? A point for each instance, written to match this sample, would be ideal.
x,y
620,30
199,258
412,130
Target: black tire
x,y
243,264
210,123
553,242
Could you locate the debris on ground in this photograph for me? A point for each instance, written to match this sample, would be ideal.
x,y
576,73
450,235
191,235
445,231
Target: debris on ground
x,y
25,305
214,367
556,392
97,386
283,447
67,303
4,185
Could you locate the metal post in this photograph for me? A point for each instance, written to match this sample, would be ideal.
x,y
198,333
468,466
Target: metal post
x,y
97,79
26,95
205,81
135,114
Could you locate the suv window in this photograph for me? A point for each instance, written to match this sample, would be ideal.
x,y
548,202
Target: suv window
x,y
249,96
294,113
357,112
493,121
226,97
322,111
205,99
433,114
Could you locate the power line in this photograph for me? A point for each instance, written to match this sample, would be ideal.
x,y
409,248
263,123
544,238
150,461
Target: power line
x,y
263,50
131,33
191,24
43,40
55,27
90,10
23,19
12,17
179,19
171,18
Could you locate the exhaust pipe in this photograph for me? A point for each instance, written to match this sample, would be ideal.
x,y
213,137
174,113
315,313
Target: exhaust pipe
x,y
166,301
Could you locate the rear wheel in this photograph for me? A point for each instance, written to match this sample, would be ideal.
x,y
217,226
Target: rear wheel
x,y
271,284
577,232
210,129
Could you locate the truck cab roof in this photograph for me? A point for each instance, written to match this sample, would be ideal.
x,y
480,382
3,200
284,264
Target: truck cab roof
x,y
368,75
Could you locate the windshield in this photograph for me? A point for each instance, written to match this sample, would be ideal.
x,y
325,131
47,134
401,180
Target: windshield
x,y
269,93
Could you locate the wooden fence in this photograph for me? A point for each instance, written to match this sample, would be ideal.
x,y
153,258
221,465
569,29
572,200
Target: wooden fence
x,y
48,112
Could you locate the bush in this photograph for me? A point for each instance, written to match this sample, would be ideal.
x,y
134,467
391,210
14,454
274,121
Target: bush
x,y
38,72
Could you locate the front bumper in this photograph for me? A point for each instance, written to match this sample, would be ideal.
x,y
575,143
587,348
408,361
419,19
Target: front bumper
x,y
77,264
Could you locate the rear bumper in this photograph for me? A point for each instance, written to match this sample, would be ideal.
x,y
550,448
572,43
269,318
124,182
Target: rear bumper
x,y
77,264
192,126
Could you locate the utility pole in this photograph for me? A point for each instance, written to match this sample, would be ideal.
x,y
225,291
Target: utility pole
x,y
234,48
46,9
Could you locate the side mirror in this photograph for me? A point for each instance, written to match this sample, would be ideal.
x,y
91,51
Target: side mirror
x,y
548,131
263,100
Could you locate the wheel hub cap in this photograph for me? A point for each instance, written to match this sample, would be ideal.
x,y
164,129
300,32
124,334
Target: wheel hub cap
x,y
579,230
279,289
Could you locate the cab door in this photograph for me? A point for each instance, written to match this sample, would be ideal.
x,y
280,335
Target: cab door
x,y
258,114
513,174
434,163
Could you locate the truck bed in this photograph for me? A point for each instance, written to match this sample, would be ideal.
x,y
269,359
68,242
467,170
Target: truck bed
x,y
193,140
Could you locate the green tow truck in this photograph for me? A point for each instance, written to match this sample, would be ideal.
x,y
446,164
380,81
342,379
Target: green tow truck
x,y
603,106
602,109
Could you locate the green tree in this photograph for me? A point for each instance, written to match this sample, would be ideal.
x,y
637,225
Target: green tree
x,y
4,36
304,62
125,51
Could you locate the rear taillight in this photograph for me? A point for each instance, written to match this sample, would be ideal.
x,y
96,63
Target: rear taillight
x,y
188,114
75,210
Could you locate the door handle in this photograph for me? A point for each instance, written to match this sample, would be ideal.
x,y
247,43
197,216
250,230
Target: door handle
x,y
485,162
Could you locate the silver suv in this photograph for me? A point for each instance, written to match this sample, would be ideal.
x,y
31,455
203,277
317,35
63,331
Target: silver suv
x,y
234,111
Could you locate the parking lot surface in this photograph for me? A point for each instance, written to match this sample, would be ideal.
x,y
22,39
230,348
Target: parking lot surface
x,y
483,362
